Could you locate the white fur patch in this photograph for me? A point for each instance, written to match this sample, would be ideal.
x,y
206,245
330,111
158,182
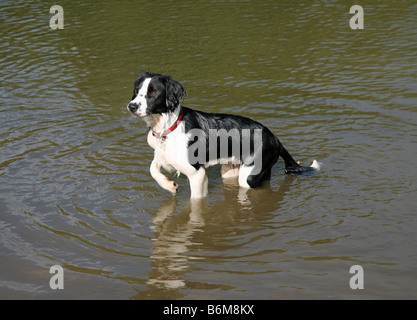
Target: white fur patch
x,y
140,99
244,173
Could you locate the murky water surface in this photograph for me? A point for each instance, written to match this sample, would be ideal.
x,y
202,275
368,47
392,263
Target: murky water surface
x,y
75,188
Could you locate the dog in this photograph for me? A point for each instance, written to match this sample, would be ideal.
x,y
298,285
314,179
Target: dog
x,y
188,141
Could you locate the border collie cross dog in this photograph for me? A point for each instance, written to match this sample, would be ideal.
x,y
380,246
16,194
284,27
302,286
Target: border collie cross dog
x,y
188,141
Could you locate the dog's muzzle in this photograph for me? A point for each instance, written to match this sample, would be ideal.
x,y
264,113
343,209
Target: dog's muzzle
x,y
133,107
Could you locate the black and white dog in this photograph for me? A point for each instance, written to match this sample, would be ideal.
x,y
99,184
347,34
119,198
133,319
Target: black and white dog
x,y
188,141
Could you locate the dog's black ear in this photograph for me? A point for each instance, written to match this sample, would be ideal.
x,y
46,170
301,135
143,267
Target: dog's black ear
x,y
174,93
139,80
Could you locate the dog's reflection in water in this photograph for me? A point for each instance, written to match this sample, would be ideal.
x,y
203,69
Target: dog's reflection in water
x,y
173,236
182,229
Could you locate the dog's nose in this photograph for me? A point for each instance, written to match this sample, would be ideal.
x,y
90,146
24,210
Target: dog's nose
x,y
133,107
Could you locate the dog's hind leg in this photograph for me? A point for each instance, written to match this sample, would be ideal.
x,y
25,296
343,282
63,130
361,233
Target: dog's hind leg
x,y
244,173
248,180
230,170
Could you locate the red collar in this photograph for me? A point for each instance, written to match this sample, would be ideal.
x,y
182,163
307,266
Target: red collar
x,y
164,134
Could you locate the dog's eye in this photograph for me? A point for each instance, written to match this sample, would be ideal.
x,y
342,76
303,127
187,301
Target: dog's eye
x,y
153,94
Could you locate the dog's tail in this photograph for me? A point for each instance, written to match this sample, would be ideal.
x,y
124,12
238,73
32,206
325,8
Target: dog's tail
x,y
292,167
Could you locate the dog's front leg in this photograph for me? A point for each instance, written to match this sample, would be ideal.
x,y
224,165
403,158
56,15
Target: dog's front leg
x,y
198,183
162,180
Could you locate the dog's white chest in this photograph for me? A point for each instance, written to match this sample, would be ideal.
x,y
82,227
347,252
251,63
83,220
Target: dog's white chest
x,y
168,152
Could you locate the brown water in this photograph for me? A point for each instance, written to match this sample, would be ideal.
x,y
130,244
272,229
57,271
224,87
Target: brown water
x,y
75,188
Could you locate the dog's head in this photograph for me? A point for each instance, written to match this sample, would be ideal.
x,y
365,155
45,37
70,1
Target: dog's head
x,y
155,94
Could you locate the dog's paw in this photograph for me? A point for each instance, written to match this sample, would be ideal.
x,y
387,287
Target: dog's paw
x,y
172,187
